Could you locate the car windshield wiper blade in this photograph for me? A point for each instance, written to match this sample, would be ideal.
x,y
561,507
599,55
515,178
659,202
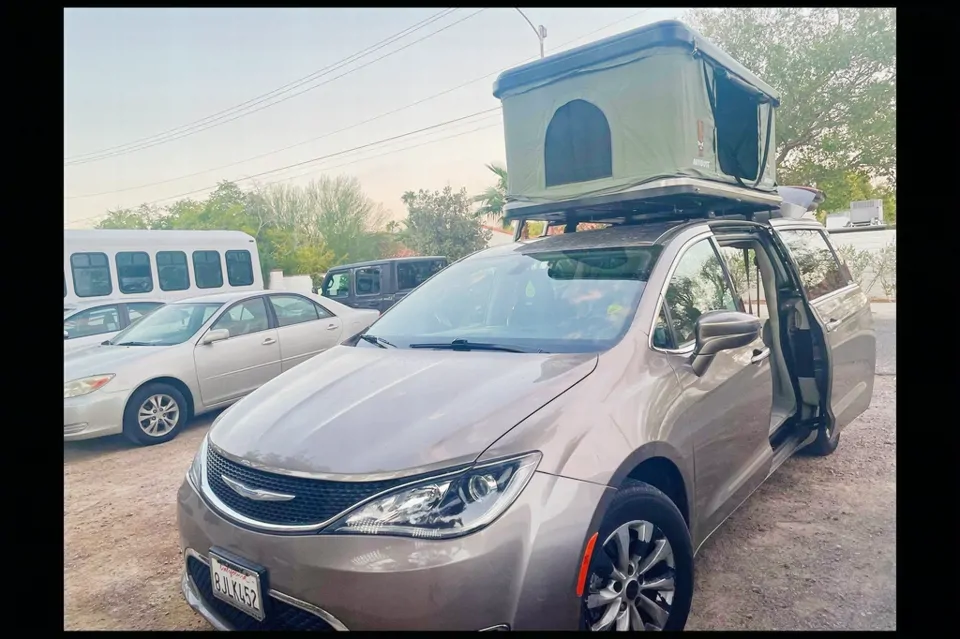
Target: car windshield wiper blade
x,y
132,344
466,345
378,341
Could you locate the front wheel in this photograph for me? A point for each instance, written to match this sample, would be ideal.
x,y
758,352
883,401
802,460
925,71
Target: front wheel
x,y
154,414
641,572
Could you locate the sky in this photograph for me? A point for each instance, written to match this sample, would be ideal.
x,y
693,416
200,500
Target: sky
x,y
133,74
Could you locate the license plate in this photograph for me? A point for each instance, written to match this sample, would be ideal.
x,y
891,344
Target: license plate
x,y
238,586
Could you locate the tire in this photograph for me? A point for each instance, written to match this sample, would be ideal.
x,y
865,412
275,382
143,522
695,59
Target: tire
x,y
147,396
826,442
645,511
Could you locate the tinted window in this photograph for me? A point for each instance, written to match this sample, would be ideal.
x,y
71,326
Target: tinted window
x,y
698,285
244,318
172,271
91,274
207,270
94,321
133,272
239,268
136,310
577,146
555,301
820,271
368,281
337,285
662,335
412,274
293,309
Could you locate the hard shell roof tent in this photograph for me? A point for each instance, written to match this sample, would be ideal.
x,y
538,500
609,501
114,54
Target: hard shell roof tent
x,y
653,119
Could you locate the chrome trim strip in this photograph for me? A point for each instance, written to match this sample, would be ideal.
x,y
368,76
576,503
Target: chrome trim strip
x,y
218,623
685,350
499,626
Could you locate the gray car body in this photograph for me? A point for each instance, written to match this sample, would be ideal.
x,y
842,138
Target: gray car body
x,y
234,364
596,418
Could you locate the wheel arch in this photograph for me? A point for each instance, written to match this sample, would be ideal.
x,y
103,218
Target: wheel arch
x,y
176,383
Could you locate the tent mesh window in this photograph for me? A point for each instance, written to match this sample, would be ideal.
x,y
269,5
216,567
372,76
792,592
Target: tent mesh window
x,y
577,146
737,115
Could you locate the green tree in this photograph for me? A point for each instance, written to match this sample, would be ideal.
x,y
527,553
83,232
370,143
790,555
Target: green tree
x,y
143,217
494,197
835,69
442,223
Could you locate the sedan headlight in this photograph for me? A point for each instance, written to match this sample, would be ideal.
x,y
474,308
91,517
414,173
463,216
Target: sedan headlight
x,y
195,472
449,505
85,386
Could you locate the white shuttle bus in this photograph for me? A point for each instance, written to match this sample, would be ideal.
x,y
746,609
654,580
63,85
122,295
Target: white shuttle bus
x,y
156,265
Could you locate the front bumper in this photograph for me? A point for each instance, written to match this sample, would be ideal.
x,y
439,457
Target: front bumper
x,y
97,414
519,572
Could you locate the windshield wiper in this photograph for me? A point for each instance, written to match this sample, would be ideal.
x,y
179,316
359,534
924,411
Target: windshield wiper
x,y
378,341
132,344
466,345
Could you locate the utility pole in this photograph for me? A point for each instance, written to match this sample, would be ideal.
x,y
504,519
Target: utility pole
x,y
541,31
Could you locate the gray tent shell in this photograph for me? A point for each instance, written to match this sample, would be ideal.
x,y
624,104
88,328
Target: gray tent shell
x,y
658,106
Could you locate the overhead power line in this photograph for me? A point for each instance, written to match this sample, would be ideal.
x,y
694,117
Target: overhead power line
x,y
351,126
230,115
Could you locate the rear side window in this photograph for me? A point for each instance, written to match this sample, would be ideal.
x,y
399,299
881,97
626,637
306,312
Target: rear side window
x,y
91,274
133,272
239,268
207,270
172,271
292,309
412,274
820,271
368,281
337,285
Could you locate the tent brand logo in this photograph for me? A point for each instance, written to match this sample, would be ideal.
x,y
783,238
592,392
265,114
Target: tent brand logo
x,y
701,164
700,138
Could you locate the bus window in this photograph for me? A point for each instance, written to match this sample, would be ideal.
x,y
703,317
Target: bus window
x,y
133,272
172,271
207,270
91,274
239,268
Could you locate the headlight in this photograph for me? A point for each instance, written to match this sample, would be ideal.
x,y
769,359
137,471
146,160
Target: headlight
x,y
195,473
447,506
85,386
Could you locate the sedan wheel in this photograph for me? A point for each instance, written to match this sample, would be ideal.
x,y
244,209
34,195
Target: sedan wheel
x,y
158,415
634,590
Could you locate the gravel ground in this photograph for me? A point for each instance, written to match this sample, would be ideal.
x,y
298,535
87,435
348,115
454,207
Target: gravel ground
x,y
813,548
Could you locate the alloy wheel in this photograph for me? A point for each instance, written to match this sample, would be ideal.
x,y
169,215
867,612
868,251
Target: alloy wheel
x,y
158,415
631,584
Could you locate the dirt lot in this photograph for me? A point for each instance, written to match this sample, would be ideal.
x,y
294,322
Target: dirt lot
x,y
814,548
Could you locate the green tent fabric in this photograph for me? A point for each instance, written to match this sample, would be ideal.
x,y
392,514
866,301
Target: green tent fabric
x,y
653,103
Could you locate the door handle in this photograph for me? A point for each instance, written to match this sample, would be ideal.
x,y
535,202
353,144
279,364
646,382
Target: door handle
x,y
832,324
268,340
759,355
331,327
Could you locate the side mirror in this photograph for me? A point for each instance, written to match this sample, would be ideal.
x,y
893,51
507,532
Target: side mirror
x,y
720,331
66,335
217,335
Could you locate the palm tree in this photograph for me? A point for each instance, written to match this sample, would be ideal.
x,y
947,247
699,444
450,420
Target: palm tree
x,y
493,199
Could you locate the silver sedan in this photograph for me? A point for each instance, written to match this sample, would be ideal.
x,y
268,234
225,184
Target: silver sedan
x,y
194,356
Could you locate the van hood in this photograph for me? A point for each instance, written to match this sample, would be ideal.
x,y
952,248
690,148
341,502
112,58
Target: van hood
x,y
376,413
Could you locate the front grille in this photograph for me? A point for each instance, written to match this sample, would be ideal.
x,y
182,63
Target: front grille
x,y
315,501
279,614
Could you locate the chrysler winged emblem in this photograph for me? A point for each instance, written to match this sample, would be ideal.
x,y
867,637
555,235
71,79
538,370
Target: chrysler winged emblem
x,y
255,494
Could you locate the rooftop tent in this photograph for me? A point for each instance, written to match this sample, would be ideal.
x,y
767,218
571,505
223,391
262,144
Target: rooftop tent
x,y
641,108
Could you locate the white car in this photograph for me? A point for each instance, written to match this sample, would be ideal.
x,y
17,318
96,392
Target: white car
x,y
91,323
196,355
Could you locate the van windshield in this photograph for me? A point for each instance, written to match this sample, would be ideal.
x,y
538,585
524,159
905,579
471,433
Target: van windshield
x,y
167,326
552,301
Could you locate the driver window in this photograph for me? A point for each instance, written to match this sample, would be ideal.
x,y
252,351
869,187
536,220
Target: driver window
x,y
699,284
244,318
